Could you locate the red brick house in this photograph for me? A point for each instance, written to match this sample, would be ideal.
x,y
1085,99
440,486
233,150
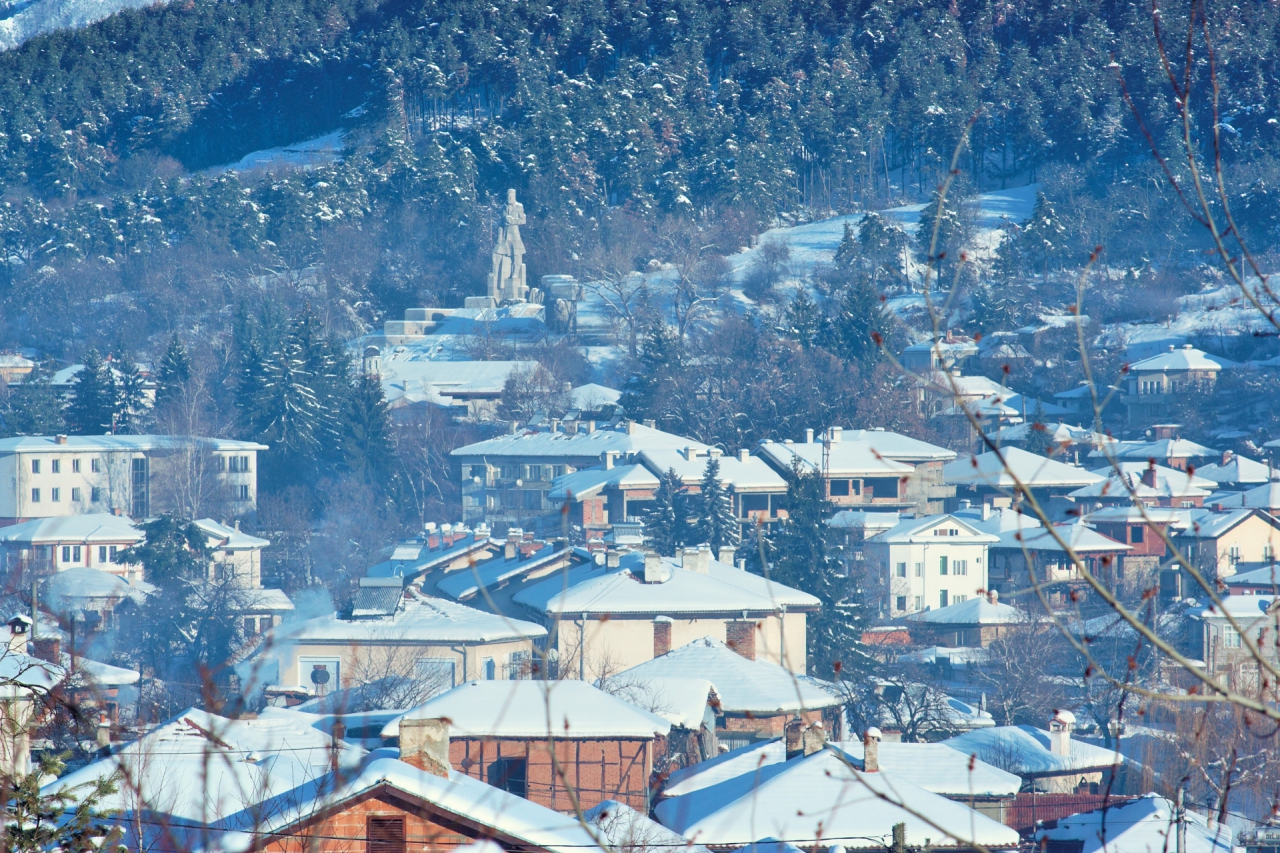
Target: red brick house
x,y
505,733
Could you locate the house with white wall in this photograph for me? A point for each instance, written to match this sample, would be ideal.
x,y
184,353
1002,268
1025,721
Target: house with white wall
x,y
930,562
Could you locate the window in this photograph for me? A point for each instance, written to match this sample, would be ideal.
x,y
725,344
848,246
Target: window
x,y
959,599
66,553
919,574
942,598
489,668
839,488
219,464
75,494
95,495
95,465
755,503
519,665
55,495
384,835
250,626
900,571
113,551
55,466
511,775
1137,534
902,603
960,567
1188,503
1230,637
532,499
942,566
242,491
559,471
35,496
436,674
1233,551
509,472
35,466
481,471
535,472
919,602
75,466
71,553
102,553
141,504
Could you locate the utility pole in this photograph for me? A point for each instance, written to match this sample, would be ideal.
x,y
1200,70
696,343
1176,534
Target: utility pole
x,y
35,588
899,838
1180,815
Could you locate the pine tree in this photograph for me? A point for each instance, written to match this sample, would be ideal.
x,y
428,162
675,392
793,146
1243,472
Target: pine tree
x,y
857,315
95,398
802,558
32,408
1039,441
368,450
174,373
661,357
803,318
173,550
1043,240
667,523
132,407
942,234
848,252
287,417
717,525
883,247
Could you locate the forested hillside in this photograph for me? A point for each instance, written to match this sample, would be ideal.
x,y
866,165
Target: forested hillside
x,y
610,116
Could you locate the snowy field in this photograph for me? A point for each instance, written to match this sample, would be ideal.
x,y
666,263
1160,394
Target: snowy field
x,y
21,20
321,151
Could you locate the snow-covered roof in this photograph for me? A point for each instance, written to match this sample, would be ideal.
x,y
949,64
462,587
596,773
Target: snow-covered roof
x,y
84,672
422,620
451,378
1128,514
199,768
464,584
84,587
117,443
1180,478
411,557
91,528
997,470
229,538
534,709
1058,433
620,590
845,459
624,828
263,600
625,438
922,530
1082,539
976,611
591,396
937,768
861,519
896,446
1266,496
680,701
21,674
1243,607
823,799
956,655
1185,357
589,482
743,686
1146,825
1211,525
468,799
1164,448
1268,575
1025,750
749,474
1239,470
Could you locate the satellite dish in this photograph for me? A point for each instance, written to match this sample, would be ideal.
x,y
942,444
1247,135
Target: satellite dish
x,y
319,676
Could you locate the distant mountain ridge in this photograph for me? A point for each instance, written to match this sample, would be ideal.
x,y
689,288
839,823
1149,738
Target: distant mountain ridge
x,y
21,20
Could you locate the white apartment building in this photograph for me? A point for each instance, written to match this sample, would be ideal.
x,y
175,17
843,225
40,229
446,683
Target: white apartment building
x,y
134,475
929,562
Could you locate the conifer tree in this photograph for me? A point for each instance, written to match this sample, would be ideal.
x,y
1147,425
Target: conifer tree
x,y
856,316
368,450
803,318
668,523
883,247
848,252
717,525
32,408
287,415
661,357
174,373
95,398
802,557
1043,240
131,416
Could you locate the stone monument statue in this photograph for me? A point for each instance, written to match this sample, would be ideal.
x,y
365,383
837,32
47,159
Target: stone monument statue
x,y
506,281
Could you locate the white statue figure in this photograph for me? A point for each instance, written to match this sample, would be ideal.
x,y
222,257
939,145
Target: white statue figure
x,y
506,281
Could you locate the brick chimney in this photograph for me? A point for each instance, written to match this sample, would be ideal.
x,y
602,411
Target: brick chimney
x,y
1149,475
740,635
1060,732
795,737
814,738
425,745
871,751
511,549
47,648
661,635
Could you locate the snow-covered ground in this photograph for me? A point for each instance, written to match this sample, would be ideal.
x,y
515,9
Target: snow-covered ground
x,y
1219,311
321,151
21,20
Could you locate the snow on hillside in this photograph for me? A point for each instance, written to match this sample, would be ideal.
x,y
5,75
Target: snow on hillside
x,y
321,151
21,20
1219,311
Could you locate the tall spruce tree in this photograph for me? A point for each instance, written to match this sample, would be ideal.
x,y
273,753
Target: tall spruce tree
x,y
668,523
95,399
286,416
856,316
803,558
803,318
32,408
717,525
368,450
133,409
174,373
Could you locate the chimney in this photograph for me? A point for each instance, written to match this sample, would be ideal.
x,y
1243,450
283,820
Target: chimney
x,y
726,555
608,457
19,633
1226,456
1149,475
631,427
986,511
566,387
60,439
871,751
993,596
835,433
1060,732
103,738
655,570
795,737
335,748
591,426
425,745
744,455
651,423
515,425
512,546
555,425
814,738
661,635
690,452
740,635
47,648
808,436
696,559
612,558
482,532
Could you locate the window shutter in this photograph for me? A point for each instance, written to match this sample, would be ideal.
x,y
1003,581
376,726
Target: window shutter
x,y
384,835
